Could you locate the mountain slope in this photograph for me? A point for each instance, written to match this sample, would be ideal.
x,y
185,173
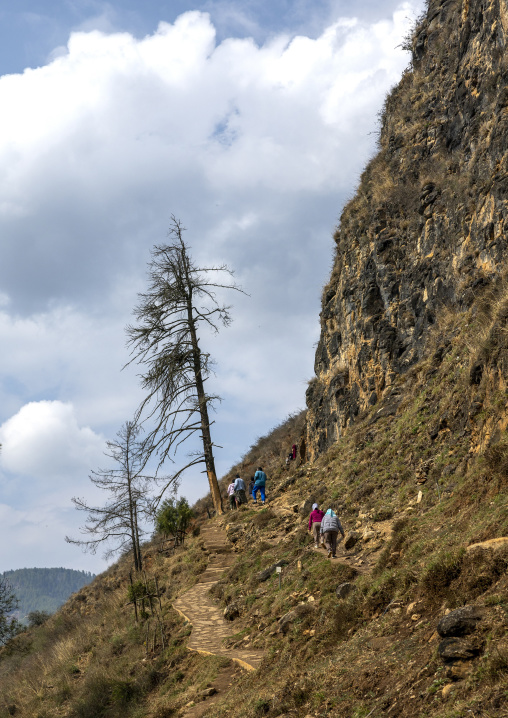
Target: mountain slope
x,y
405,435
45,589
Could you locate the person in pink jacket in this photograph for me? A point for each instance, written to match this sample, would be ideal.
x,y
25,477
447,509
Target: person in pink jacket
x,y
315,523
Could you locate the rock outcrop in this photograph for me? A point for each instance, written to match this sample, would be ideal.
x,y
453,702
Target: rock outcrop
x,y
428,226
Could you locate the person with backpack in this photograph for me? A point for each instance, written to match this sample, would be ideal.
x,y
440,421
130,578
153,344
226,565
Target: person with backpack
x,y
259,485
231,496
330,527
315,523
239,485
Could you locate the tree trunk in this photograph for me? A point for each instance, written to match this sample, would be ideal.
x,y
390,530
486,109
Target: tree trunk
x,y
133,519
203,411
138,548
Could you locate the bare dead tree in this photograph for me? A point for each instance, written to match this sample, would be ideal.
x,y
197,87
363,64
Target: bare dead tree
x,y
115,525
165,342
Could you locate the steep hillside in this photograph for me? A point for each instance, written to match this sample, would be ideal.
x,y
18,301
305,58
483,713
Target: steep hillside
x,y
405,435
428,225
426,520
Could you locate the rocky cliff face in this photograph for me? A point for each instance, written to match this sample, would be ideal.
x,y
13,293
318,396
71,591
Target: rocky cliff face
x,y
428,227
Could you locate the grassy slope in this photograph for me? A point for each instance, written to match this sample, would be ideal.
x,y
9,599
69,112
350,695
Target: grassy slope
x,y
372,653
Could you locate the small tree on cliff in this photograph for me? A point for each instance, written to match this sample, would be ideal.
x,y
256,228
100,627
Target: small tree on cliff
x,y
165,342
115,525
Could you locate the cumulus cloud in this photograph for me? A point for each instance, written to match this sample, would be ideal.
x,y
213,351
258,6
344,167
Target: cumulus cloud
x,y
254,147
44,441
100,145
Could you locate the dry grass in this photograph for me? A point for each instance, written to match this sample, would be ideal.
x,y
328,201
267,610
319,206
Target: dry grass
x,y
375,651
94,665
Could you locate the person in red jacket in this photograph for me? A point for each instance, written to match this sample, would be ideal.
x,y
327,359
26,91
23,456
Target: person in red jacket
x,y
315,523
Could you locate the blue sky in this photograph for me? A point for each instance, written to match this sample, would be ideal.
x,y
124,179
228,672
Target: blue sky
x,y
30,31
251,123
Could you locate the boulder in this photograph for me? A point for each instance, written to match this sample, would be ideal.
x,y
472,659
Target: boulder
x,y
208,692
231,612
490,545
456,649
351,539
344,589
447,689
460,622
458,670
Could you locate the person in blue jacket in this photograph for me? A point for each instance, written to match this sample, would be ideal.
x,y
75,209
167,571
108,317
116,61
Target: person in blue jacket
x,y
259,485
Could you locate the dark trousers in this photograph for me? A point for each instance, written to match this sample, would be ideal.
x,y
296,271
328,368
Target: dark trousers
x,y
330,538
241,498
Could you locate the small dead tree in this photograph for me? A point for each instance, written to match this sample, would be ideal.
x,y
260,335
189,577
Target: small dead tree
x,y
115,525
165,342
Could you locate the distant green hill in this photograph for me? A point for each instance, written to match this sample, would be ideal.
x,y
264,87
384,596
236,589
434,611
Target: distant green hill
x,y
45,589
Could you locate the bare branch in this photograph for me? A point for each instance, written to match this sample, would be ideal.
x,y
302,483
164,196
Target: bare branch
x,y
164,342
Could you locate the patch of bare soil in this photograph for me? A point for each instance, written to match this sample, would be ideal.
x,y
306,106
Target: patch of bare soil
x,y
223,684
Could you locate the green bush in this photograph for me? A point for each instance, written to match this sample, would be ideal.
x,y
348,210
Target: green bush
x,y
37,618
173,517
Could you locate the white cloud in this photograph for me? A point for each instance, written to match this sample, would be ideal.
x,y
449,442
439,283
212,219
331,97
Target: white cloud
x,y
254,147
44,441
45,460
79,355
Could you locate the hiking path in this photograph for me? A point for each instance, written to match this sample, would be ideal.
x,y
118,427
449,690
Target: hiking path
x,y
209,627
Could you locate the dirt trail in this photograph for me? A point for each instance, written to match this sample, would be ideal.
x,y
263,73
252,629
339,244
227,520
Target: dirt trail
x,y
209,626
364,554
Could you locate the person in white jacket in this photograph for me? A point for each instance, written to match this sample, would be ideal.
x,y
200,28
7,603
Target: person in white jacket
x,y
330,527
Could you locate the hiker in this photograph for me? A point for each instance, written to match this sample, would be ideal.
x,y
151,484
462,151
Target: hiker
x,y
259,485
315,523
239,485
251,485
330,527
231,495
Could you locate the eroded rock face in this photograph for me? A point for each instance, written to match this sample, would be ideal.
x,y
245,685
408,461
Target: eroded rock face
x,y
429,224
